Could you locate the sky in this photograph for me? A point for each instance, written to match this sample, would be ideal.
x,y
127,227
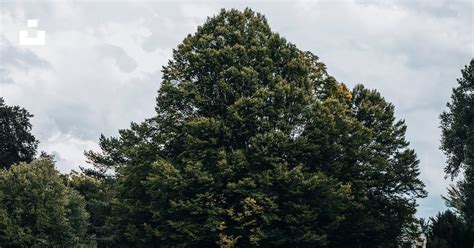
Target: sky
x,y
100,67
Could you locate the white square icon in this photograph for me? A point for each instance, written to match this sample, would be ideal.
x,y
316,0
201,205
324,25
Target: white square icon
x,y
27,40
32,23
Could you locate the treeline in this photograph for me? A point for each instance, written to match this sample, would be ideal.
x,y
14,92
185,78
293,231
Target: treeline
x,y
252,144
455,227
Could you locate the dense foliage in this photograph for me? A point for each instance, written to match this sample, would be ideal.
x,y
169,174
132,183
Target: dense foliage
x,y
37,209
254,144
457,126
97,189
447,230
17,144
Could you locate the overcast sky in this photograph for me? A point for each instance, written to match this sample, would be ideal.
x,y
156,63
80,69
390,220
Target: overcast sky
x,y
100,67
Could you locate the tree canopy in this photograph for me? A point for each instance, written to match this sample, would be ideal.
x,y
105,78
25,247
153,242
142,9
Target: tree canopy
x,y
98,191
457,142
447,230
17,144
37,209
458,124
253,143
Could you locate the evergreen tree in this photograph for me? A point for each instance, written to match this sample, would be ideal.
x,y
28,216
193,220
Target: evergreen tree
x,y
38,210
447,230
17,144
255,144
458,144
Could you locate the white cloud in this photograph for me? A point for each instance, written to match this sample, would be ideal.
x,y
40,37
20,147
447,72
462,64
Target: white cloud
x,y
68,150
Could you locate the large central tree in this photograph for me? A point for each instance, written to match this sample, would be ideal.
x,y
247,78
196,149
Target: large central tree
x,y
255,144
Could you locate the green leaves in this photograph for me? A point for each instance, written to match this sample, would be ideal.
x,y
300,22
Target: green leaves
x,y
17,144
448,230
457,124
254,144
457,142
37,209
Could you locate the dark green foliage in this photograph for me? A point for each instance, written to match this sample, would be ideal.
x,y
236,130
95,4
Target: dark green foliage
x,y
97,189
458,124
458,143
384,175
467,187
38,210
255,144
447,230
17,144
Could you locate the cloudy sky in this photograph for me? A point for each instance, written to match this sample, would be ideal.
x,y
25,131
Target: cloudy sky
x,y
100,67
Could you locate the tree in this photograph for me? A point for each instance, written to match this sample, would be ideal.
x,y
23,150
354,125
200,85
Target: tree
x,y
447,230
457,124
254,144
97,190
458,144
17,144
385,173
38,210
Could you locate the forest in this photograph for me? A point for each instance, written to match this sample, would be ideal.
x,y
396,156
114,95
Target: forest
x,y
253,144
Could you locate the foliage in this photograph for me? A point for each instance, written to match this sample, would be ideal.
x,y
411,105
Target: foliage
x,y
383,173
17,144
458,143
97,190
38,210
457,124
255,144
447,230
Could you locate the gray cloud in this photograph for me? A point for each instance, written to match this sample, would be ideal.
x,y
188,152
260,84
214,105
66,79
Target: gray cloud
x,y
124,62
19,58
440,8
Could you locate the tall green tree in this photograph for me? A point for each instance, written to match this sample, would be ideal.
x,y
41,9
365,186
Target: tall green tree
x,y
255,144
458,144
38,210
17,144
458,124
